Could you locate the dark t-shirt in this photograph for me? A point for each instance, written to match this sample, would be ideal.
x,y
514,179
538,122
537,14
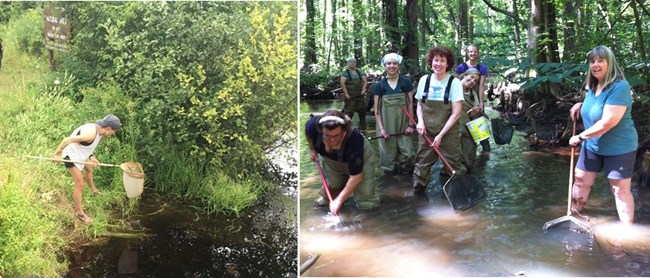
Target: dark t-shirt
x,y
352,152
404,85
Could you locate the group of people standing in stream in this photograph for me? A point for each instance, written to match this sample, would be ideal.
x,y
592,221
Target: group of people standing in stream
x,y
445,104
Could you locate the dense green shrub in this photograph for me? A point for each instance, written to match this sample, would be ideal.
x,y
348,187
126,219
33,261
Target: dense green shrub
x,y
28,30
214,79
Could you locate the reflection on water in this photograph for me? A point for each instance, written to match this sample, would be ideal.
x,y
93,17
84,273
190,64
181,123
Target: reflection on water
x,y
182,241
412,235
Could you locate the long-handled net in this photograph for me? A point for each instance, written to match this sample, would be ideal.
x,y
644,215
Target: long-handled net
x,y
132,177
463,191
575,224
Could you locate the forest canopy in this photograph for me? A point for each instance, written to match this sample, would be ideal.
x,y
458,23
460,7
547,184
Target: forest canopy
x,y
535,43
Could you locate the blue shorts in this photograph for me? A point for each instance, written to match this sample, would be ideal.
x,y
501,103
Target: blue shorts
x,y
617,167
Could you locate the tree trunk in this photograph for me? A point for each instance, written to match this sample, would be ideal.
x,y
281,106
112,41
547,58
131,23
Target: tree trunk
x,y
533,32
336,30
463,22
373,35
470,23
570,31
602,8
346,31
410,37
639,32
423,26
324,24
550,30
553,55
455,22
516,29
310,35
358,25
391,23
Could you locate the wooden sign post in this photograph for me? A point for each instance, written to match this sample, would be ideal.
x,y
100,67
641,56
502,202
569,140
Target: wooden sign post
x,y
56,30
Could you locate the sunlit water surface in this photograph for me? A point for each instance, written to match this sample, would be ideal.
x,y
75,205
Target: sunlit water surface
x,y
421,236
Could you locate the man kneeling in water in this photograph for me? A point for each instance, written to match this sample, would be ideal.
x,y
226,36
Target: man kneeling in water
x,y
348,161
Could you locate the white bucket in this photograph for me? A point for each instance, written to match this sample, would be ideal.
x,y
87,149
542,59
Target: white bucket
x,y
479,129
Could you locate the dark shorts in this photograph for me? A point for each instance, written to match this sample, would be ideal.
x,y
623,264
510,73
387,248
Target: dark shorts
x,y
617,167
68,164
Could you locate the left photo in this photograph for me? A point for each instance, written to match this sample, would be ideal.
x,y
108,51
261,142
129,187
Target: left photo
x,y
148,139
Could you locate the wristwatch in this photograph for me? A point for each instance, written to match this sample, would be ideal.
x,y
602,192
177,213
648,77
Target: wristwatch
x,y
412,126
581,138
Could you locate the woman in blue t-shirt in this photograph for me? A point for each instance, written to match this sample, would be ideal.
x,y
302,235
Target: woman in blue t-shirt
x,y
609,141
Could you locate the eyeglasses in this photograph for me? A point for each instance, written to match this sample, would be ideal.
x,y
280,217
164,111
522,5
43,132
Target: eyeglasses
x,y
333,137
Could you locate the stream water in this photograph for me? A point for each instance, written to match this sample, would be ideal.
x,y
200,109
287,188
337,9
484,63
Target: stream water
x,y
181,241
421,236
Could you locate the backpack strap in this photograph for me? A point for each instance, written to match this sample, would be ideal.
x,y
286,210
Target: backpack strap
x,y
426,89
350,74
478,67
451,78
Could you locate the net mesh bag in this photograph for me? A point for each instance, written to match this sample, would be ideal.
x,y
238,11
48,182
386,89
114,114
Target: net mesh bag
x,y
464,191
133,178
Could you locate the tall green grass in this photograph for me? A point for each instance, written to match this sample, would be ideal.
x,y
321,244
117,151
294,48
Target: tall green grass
x,y
185,177
29,233
19,72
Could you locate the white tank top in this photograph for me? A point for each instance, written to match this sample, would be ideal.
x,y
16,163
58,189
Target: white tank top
x,y
78,151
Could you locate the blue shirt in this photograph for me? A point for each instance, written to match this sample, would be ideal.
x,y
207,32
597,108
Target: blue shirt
x,y
622,138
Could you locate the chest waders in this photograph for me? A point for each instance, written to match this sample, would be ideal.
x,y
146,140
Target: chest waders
x,y
468,146
436,114
366,196
356,103
396,152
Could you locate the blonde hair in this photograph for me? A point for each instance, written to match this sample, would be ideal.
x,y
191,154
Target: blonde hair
x,y
614,71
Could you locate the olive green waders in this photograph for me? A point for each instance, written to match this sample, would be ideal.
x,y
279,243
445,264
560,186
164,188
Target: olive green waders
x,y
396,152
356,103
468,146
436,114
366,196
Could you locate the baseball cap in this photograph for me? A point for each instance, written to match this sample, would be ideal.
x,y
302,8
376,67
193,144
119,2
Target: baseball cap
x,y
110,120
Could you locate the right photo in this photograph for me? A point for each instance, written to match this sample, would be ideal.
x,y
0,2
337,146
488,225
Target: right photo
x,y
473,138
